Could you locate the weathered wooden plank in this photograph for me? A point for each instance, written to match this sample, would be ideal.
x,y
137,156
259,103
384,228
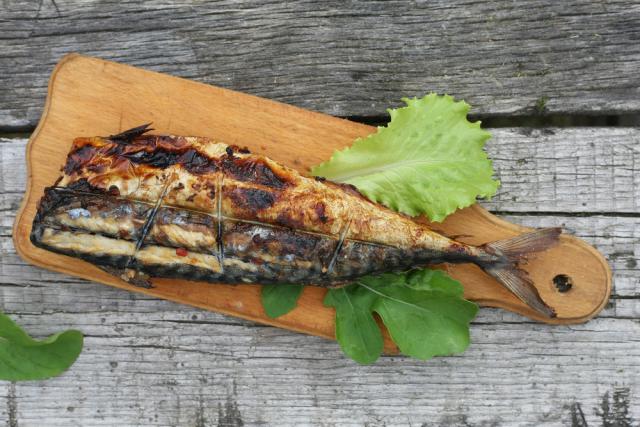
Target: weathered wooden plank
x,y
177,368
348,59
579,170
152,362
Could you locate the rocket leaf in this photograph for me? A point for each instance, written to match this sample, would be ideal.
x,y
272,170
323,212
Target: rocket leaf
x,y
428,160
279,299
357,332
23,358
423,310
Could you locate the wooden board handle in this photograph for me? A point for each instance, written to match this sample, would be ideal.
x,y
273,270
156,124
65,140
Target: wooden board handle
x,y
572,277
88,96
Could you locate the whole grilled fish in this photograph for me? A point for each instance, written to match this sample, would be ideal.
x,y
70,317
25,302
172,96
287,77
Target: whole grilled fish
x,y
141,206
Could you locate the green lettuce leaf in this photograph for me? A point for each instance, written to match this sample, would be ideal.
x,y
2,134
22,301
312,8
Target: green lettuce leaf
x,y
423,310
428,160
23,358
278,300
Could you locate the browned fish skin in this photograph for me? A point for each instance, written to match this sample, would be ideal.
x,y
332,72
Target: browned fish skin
x,y
173,206
271,254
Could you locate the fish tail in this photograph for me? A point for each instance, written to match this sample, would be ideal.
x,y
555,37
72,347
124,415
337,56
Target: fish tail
x,y
506,270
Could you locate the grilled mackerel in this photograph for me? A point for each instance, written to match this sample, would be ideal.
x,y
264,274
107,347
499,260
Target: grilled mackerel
x,y
141,206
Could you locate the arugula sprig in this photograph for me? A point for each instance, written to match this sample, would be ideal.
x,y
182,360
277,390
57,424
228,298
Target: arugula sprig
x,y
428,160
279,299
423,311
23,358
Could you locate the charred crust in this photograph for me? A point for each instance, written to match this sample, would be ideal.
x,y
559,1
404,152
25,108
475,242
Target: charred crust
x,y
234,148
156,158
285,219
252,170
78,158
208,187
158,151
161,151
46,204
197,163
299,244
84,186
320,178
252,199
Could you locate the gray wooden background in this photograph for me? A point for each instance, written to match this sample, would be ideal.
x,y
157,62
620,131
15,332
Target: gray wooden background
x,y
150,362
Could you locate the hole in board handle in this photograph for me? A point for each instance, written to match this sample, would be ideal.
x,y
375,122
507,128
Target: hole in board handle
x,y
563,283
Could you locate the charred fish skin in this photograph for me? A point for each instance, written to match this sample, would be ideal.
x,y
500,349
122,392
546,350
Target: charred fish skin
x,y
69,220
190,208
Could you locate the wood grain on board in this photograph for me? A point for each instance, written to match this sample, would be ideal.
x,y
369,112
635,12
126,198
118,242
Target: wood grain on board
x,y
88,96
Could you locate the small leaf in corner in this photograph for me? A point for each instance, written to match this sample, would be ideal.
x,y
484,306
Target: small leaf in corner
x,y
23,358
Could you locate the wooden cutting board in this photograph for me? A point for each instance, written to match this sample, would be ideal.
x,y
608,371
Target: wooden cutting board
x,y
89,96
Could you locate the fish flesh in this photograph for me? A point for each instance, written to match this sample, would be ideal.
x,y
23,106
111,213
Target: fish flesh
x,y
141,206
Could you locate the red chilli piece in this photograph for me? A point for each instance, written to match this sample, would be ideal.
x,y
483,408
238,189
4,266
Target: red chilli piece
x,y
181,252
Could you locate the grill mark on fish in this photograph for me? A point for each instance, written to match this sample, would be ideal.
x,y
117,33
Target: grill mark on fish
x,y
252,198
286,218
334,257
252,170
149,222
82,185
219,237
197,163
